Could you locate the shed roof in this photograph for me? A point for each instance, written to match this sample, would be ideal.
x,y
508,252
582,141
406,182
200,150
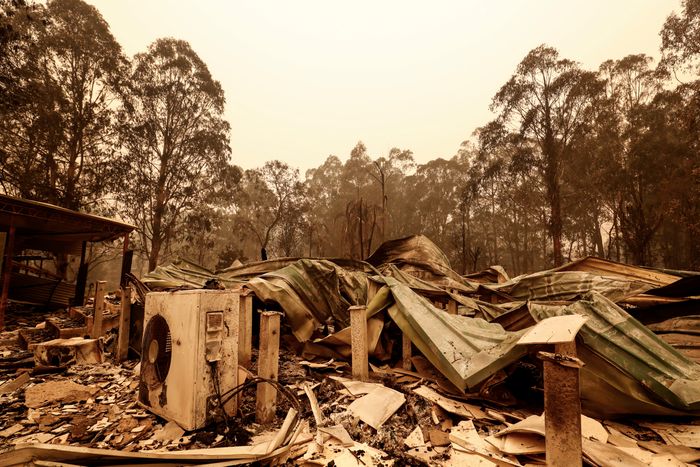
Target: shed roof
x,y
43,226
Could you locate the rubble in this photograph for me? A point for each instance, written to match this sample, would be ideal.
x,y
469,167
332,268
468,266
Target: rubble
x,y
75,350
469,392
62,392
377,406
428,427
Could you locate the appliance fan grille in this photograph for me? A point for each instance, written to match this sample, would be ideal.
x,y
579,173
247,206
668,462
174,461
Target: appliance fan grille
x,y
157,351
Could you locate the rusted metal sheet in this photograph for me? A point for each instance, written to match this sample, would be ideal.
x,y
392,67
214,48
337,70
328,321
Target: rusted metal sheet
x,y
633,357
604,267
465,350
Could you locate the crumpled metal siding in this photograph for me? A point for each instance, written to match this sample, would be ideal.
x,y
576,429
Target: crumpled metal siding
x,y
568,285
312,291
465,350
632,349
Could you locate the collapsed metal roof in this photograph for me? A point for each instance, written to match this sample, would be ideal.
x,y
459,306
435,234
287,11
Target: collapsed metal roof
x,y
628,368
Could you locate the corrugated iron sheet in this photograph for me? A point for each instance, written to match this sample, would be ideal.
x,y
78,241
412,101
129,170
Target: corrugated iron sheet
x,y
632,350
465,350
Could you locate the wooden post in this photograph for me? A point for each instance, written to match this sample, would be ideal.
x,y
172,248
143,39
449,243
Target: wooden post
x,y
127,259
6,273
268,366
245,332
452,306
99,308
81,280
358,331
562,407
245,328
124,325
3,299
406,352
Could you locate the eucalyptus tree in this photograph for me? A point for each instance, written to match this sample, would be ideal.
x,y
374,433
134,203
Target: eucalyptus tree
x,y
174,143
360,203
634,173
270,207
325,228
57,138
386,170
681,52
20,105
547,101
680,38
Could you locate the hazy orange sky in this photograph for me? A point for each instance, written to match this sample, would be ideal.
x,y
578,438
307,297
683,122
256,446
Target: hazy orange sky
x,y
305,79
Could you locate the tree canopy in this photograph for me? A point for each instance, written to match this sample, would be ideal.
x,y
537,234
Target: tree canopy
x,y
576,162
174,152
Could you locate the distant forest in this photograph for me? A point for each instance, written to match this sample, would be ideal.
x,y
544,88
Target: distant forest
x,y
576,162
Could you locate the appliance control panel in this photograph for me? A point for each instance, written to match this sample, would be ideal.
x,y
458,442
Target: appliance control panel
x,y
214,335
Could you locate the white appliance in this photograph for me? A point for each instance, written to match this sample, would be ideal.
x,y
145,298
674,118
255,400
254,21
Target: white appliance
x,y
190,346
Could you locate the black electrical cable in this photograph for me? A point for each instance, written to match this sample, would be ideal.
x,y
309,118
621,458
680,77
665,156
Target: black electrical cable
x,y
230,394
289,395
214,367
